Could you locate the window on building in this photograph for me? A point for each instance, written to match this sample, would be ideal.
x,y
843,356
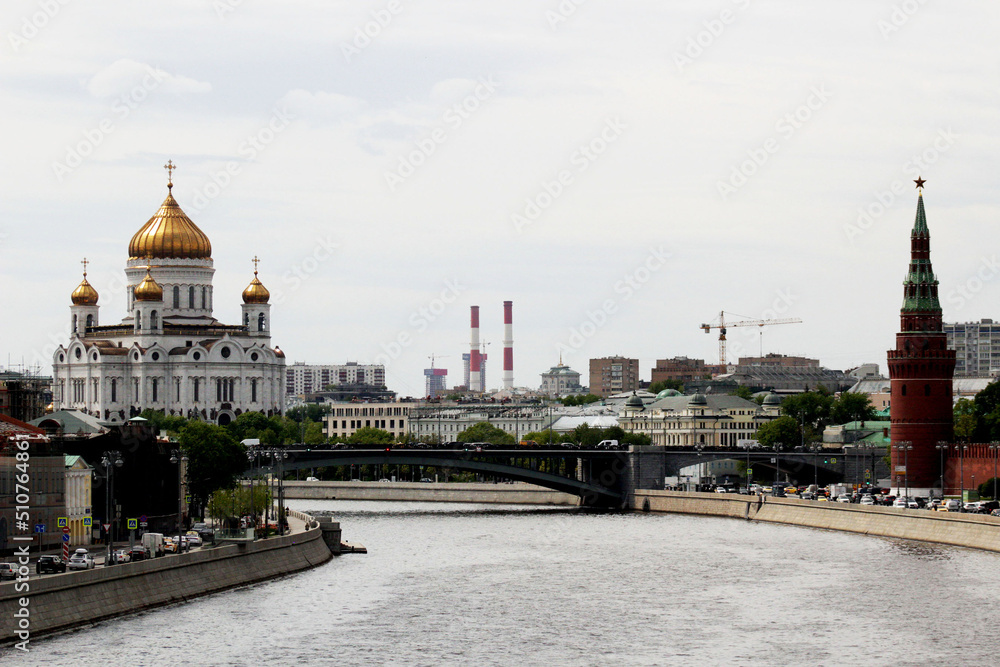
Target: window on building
x,y
114,390
177,296
156,390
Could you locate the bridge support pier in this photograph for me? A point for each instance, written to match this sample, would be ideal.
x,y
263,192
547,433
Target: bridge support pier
x,y
331,534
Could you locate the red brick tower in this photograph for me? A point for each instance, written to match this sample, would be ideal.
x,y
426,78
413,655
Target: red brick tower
x,y
921,370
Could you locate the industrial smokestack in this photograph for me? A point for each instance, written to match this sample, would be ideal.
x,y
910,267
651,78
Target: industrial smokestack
x,y
508,345
475,359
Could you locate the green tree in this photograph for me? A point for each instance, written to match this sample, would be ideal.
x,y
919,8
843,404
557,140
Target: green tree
x,y
743,392
987,413
159,421
485,432
570,401
965,419
783,430
368,435
226,505
852,407
215,459
660,385
811,408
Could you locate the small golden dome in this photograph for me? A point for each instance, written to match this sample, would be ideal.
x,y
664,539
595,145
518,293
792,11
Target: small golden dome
x,y
84,294
256,292
148,289
170,234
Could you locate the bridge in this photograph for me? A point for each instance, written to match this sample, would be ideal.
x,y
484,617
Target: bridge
x,y
596,476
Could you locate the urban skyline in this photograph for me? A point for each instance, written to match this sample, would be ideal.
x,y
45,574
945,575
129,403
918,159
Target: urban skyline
x,y
627,181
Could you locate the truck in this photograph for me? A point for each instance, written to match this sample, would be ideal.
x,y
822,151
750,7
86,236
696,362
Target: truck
x,y
837,490
153,543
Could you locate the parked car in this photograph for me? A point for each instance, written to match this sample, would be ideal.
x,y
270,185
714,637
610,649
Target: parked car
x,y
867,500
312,479
426,480
121,556
8,571
138,552
193,538
933,504
843,498
204,531
807,495
81,560
950,505
49,564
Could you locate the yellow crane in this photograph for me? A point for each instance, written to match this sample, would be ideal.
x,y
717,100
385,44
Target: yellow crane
x,y
722,326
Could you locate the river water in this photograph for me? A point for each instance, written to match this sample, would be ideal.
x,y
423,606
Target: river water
x,y
510,585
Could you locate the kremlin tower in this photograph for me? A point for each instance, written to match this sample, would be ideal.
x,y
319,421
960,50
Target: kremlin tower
x,y
920,369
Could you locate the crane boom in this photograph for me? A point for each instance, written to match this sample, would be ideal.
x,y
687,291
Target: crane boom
x,y
723,325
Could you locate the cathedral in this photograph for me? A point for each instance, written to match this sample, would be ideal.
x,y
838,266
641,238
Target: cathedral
x,y
169,353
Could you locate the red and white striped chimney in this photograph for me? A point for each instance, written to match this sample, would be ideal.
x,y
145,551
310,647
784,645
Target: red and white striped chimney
x,y
475,360
508,345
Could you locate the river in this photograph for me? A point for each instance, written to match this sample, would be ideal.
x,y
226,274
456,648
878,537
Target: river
x,y
510,585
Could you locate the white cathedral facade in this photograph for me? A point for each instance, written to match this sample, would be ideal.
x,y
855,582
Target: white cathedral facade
x,y
169,353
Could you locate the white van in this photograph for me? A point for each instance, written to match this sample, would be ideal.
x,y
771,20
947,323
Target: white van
x,y
153,543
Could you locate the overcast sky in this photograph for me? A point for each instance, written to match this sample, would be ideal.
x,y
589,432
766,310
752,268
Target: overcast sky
x,y
621,171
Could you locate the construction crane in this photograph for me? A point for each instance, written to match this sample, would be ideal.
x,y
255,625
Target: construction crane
x,y
437,356
722,326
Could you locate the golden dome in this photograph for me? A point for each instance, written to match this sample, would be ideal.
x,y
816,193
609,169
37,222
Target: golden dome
x,y
255,291
84,294
148,289
170,234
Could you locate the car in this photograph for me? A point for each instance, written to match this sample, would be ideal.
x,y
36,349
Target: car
x,y
312,479
950,505
138,552
383,479
900,502
169,545
193,538
81,560
49,564
807,495
8,571
426,480
720,489
867,500
121,556
933,504
843,498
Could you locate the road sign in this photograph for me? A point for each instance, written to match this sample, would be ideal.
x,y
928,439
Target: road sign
x,y
133,524
87,522
65,537
868,474
39,527
833,460
142,519
107,527
62,522
774,460
66,530
749,471
143,524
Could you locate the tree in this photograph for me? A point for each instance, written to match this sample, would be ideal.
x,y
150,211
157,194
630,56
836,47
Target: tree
x,y
485,432
811,408
783,430
965,419
743,392
852,407
368,435
580,400
159,421
660,385
215,459
987,413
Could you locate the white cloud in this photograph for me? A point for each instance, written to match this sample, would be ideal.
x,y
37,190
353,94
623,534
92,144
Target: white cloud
x,y
122,75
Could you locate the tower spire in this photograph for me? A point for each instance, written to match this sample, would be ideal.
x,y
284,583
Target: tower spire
x,y
170,166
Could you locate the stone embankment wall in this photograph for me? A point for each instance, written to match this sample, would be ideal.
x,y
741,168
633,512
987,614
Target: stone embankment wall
x,y
78,598
515,494
966,530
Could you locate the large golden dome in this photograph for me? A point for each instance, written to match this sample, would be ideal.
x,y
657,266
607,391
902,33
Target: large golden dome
x,y
84,294
148,289
170,234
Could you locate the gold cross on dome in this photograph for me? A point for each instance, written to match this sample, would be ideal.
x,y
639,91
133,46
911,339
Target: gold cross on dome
x,y
85,263
170,166
255,263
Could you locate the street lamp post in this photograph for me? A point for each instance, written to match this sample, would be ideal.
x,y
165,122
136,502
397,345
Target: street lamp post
x,y
995,448
777,462
961,470
251,456
815,450
746,446
110,460
180,458
697,486
942,447
905,446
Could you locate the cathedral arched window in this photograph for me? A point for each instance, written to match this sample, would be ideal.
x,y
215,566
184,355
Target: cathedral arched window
x,y
903,390
246,320
152,320
90,320
191,297
114,390
204,297
75,326
260,322
138,320
177,296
